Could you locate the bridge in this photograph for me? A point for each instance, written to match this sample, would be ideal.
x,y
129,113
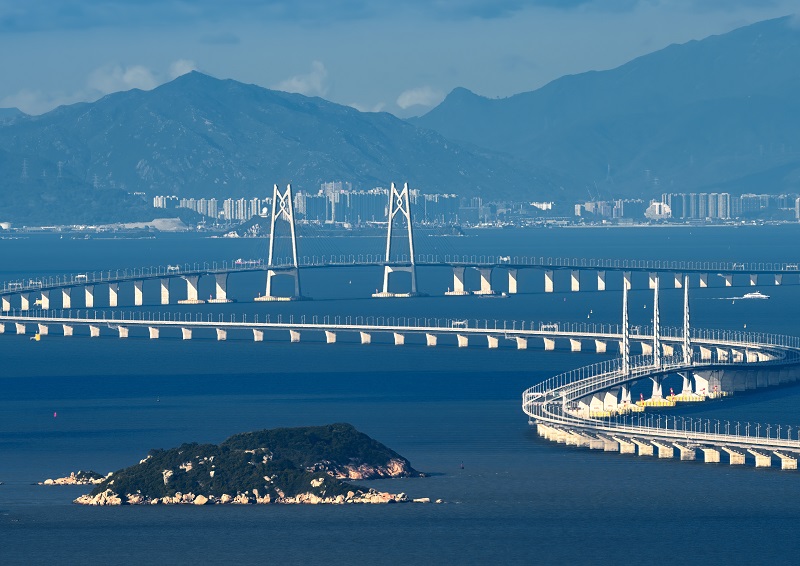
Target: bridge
x,y
584,274
593,407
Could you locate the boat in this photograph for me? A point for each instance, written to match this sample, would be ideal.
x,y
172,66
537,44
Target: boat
x,y
755,295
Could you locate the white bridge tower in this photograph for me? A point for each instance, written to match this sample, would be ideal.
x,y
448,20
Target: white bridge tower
x,y
399,206
282,210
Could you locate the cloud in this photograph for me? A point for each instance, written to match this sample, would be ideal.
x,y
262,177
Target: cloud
x,y
420,96
36,102
312,83
181,67
367,108
114,78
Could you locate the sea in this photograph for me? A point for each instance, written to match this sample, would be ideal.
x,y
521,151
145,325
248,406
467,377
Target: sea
x,y
80,403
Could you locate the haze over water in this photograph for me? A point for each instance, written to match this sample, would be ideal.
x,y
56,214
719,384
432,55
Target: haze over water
x,y
518,499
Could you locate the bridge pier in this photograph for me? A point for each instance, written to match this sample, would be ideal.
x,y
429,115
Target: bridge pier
x,y
186,333
668,349
548,281
710,455
191,290
575,439
2,327
575,280
123,331
705,354
625,445
664,450
601,280
258,335
43,329
492,341
753,279
600,346
651,280
89,296
458,282
626,280
19,327
165,291
220,289
44,301
512,281
463,341
574,345
222,334
24,302
728,280
486,282
778,279
687,383
113,294
366,338
399,339
763,459
66,299
94,331
430,339
647,349
704,280
679,281
609,443
549,344
686,453
657,394
138,293
6,303
522,343
644,448
735,457
788,462
294,335
330,337
722,354
67,329
153,331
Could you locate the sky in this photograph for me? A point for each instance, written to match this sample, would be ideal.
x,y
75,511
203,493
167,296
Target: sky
x,y
398,56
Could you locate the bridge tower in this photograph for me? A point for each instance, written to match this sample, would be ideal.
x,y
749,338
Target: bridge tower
x,y
656,326
687,345
399,206
625,347
282,210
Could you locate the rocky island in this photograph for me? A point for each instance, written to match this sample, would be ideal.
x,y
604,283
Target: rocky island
x,y
77,478
307,465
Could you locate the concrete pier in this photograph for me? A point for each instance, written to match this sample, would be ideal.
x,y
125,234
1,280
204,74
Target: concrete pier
x,y
704,280
19,327
220,289
430,339
191,290
728,280
24,302
294,335
575,280
651,280
44,301
366,338
512,281
601,280
664,450
66,298
705,354
43,329
763,459
258,335
486,281
399,339
778,279
735,457
113,294
609,443
88,291
186,333
710,455
492,341
679,281
522,343
788,462
6,303
138,293
67,329
463,341
647,348
687,453
548,281
165,291
644,448
458,282
153,331
94,331
625,445
2,328
222,334
330,337
123,331
753,279
574,345
626,280
600,346
549,344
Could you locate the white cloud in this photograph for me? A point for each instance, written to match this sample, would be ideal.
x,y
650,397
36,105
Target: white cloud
x,y
114,78
420,96
312,83
367,108
181,67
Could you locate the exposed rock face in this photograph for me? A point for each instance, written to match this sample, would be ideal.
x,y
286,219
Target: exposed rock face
x,y
77,478
395,468
103,498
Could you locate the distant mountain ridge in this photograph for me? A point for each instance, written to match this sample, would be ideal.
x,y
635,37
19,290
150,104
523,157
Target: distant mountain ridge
x,y
205,137
721,112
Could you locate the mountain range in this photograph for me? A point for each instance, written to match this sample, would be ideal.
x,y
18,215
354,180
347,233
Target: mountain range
x,y
719,114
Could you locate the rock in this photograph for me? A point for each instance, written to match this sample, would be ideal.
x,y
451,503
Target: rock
x,y
422,500
439,501
201,500
225,499
317,482
104,498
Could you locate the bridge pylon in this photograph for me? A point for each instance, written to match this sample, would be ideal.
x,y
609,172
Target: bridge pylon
x,y
687,345
282,210
626,336
656,325
399,206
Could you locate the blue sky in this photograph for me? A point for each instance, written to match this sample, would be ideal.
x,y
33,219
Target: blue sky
x,y
397,56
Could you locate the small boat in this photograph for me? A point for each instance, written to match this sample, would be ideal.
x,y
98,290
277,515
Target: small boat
x,y
755,295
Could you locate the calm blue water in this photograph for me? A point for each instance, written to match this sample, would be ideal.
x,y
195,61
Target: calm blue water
x,y
518,499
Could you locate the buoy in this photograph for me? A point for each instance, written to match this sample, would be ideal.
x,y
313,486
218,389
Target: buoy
x,y
55,414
